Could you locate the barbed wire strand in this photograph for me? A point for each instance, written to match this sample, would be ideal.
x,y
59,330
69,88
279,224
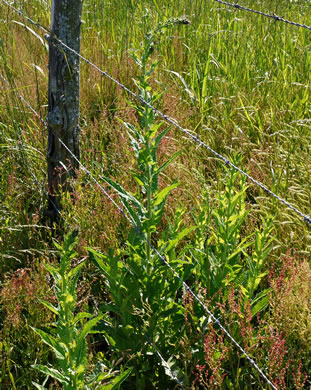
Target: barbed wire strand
x,y
20,13
234,5
170,120
122,212
28,165
272,16
164,362
196,139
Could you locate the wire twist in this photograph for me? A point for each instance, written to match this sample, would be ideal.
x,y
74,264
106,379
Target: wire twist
x,y
275,17
212,317
164,362
197,140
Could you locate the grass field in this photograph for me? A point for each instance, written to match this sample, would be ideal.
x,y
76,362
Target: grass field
x,y
239,81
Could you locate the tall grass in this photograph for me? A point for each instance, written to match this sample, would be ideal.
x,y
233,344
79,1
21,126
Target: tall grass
x,y
239,81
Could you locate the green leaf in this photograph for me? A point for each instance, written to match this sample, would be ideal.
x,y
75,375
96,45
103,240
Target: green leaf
x,y
153,131
168,162
260,302
12,380
180,236
168,368
52,270
49,306
160,136
88,327
75,270
40,387
127,199
98,259
80,316
58,246
52,342
140,179
240,249
117,381
53,373
157,8
163,194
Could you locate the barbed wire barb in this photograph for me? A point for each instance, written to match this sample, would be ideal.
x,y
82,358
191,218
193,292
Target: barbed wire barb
x,y
197,140
271,16
306,218
26,17
163,361
122,212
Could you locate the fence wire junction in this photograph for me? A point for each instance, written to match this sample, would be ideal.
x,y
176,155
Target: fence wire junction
x,y
271,16
187,288
194,138
168,119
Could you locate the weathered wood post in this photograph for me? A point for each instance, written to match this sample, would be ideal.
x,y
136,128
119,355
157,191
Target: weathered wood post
x,y
63,97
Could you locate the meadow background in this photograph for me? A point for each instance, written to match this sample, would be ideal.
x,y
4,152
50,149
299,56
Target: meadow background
x,y
241,82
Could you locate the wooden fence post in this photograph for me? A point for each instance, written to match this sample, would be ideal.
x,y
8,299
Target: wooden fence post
x,y
63,98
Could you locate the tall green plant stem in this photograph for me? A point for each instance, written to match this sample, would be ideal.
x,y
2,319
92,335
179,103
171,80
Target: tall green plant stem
x,y
149,211
69,343
149,182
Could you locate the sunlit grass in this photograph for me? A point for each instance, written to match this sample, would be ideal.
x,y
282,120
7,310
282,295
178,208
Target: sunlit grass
x,y
238,80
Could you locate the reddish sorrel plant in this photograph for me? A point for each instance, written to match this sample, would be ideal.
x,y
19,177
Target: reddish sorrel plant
x,y
211,374
222,365
300,378
290,313
20,307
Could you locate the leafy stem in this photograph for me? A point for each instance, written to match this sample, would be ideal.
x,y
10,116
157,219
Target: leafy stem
x,y
69,343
